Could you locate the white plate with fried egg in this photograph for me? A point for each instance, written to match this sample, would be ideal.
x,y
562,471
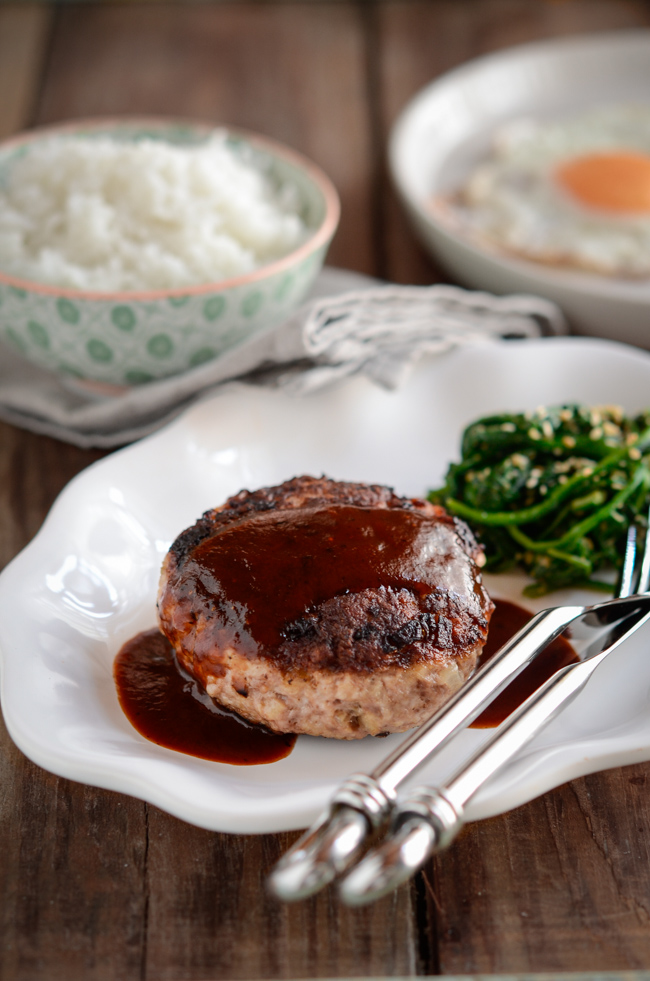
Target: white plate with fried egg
x,y
87,583
529,171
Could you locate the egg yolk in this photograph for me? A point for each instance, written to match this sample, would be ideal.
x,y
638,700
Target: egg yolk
x,y
617,181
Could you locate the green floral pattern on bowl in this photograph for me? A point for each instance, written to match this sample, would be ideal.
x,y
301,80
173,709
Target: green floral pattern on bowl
x,y
125,341
127,344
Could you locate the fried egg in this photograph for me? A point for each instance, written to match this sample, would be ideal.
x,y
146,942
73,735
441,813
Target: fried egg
x,y
573,192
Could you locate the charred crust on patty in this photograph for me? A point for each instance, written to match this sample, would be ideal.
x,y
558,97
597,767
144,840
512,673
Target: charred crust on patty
x,y
378,629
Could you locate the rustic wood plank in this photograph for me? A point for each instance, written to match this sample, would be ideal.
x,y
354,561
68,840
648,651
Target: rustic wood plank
x,y
24,28
33,471
291,71
557,885
417,40
210,889
71,878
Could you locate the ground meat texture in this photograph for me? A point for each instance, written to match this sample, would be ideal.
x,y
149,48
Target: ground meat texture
x,y
327,608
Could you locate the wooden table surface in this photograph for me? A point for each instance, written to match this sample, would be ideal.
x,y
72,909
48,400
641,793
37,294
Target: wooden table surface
x,y
94,885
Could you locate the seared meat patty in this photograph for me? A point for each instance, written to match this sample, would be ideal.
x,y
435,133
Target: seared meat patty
x,y
328,608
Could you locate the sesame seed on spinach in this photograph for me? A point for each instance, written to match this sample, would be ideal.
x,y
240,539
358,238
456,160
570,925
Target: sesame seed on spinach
x,y
552,491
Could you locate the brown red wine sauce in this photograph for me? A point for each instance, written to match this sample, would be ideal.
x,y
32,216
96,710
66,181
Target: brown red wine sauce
x,y
168,707
506,620
311,555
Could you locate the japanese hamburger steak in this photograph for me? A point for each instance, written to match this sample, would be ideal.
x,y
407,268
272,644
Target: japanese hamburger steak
x,y
326,608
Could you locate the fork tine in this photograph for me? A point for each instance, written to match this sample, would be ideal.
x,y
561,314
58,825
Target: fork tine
x,y
625,586
644,576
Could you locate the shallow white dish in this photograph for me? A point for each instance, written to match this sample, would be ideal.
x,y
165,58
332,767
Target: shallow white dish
x,y
88,580
447,127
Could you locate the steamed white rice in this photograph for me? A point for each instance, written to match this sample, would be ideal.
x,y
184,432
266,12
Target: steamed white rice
x,y
99,214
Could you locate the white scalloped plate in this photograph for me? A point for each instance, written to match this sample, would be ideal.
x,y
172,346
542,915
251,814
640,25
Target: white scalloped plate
x,y
88,580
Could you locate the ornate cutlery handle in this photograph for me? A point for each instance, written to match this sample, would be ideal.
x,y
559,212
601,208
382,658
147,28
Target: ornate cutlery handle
x,y
428,819
364,801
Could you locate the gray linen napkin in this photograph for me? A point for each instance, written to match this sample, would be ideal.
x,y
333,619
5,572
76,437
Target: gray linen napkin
x,y
350,324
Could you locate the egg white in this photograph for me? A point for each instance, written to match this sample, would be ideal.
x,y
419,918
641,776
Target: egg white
x,y
513,201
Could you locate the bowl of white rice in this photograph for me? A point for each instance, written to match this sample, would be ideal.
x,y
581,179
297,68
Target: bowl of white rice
x,y
133,250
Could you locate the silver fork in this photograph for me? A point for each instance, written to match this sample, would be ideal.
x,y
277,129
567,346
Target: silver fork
x,y
364,802
429,819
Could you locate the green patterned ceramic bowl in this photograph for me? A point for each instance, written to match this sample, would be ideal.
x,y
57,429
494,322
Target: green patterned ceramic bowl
x,y
132,338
